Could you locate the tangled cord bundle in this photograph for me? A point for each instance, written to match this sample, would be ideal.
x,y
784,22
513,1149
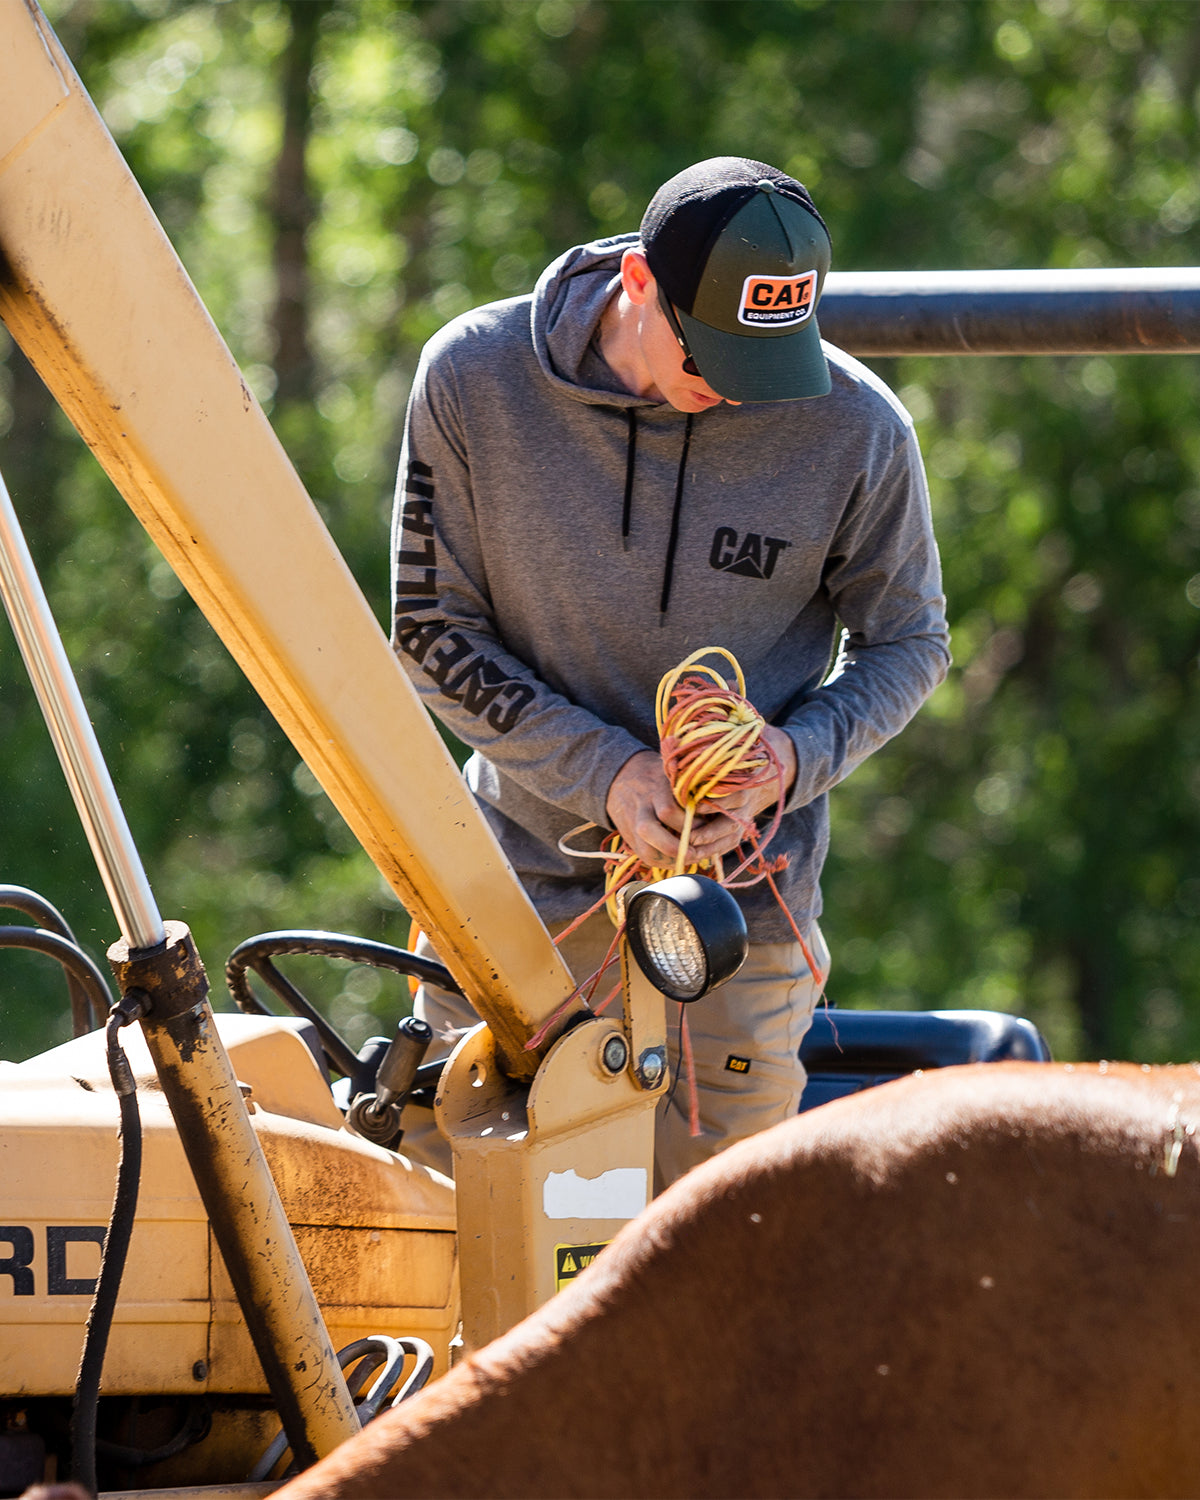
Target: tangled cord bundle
x,y
710,738
712,747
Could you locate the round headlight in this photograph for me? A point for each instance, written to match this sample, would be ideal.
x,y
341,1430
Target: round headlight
x,y
687,934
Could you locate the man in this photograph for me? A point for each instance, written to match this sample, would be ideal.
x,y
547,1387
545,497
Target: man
x,y
652,453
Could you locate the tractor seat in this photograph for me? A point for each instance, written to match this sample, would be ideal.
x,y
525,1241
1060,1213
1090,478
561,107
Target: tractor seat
x,y
846,1051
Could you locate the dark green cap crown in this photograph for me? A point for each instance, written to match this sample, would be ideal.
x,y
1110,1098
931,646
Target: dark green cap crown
x,y
741,253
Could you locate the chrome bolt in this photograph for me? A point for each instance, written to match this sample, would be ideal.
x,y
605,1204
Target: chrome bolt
x,y
615,1054
651,1068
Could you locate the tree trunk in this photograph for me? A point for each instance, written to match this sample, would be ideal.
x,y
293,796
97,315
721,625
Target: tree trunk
x,y
291,207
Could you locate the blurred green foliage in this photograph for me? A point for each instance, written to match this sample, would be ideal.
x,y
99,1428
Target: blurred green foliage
x,y
1031,842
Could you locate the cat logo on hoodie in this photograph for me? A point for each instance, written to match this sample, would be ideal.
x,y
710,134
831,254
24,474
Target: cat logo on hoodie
x,y
751,556
778,301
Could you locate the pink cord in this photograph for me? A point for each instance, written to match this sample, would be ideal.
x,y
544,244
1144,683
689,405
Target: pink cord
x,y
689,1062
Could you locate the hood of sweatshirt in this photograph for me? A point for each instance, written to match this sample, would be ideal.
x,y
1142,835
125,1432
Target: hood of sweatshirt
x,y
567,305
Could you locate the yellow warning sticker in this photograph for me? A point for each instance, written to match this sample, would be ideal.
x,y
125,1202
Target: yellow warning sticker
x,y
569,1260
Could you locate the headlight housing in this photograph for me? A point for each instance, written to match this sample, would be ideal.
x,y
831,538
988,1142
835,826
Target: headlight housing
x,y
687,934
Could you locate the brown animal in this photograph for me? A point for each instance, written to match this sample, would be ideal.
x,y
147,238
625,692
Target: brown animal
x,y
983,1281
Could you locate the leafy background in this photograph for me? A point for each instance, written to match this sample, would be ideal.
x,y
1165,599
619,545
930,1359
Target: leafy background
x,y
342,176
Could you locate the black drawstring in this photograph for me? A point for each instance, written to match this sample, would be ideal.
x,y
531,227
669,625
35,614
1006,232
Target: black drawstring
x,y
630,451
669,567
627,510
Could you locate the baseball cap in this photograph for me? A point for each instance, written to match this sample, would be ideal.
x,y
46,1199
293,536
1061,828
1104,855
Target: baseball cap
x,y
740,252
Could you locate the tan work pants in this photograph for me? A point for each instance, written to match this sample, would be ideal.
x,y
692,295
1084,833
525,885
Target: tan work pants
x,y
745,1038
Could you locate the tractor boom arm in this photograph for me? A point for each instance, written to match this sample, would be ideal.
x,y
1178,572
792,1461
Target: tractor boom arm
x,y
94,294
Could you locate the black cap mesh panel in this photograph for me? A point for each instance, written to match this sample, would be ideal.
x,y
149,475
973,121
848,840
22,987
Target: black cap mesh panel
x,y
687,215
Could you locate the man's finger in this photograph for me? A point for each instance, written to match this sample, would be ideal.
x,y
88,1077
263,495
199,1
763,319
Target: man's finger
x,y
669,814
713,830
652,843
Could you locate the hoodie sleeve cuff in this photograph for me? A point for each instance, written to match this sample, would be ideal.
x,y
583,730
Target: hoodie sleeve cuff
x,y
799,796
618,753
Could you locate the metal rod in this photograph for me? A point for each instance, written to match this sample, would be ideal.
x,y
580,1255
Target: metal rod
x,y
1116,311
244,1208
74,739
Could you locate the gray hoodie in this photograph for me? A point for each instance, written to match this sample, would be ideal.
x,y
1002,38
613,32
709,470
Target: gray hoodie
x,y
559,544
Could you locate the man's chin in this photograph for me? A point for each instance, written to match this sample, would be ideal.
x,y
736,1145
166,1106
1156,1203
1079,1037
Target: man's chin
x,y
694,401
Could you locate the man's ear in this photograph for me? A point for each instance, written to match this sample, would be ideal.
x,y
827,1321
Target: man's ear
x,y
637,279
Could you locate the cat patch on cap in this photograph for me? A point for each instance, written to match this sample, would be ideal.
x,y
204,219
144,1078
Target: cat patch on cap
x,y
777,301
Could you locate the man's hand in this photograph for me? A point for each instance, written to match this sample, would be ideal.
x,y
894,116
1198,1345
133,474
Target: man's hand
x,y
643,810
721,823
756,799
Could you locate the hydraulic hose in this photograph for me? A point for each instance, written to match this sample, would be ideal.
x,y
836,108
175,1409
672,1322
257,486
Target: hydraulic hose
x,y
84,1017
78,966
196,1426
116,1248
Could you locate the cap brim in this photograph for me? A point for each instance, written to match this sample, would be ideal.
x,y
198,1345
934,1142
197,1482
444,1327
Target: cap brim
x,y
742,367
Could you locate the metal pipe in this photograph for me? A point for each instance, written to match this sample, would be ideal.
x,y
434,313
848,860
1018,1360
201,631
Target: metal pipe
x,y
1118,311
74,739
239,1193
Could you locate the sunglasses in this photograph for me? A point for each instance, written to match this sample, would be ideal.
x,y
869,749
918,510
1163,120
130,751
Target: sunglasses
x,y
689,364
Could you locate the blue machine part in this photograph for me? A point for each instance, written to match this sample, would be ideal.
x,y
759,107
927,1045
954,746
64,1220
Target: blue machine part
x,y
850,1050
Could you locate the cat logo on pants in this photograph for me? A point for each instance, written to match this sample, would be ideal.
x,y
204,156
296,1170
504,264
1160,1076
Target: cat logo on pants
x,y
777,301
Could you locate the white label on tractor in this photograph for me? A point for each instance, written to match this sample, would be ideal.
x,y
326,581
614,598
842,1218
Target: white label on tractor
x,y
619,1194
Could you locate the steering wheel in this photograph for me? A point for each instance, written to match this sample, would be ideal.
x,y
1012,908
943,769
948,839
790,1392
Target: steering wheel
x,y
256,955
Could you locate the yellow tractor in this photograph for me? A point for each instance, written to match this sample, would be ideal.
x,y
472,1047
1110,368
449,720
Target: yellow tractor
x,y
215,1260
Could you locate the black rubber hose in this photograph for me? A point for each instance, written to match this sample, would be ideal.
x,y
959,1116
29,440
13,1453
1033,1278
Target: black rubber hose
x,y
72,958
86,1404
20,898
426,1083
87,987
197,1424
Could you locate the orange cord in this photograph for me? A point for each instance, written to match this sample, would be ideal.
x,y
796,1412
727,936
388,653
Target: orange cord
x,y
414,937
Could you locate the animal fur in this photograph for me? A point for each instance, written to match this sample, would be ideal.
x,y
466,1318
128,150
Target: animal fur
x,y
981,1281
